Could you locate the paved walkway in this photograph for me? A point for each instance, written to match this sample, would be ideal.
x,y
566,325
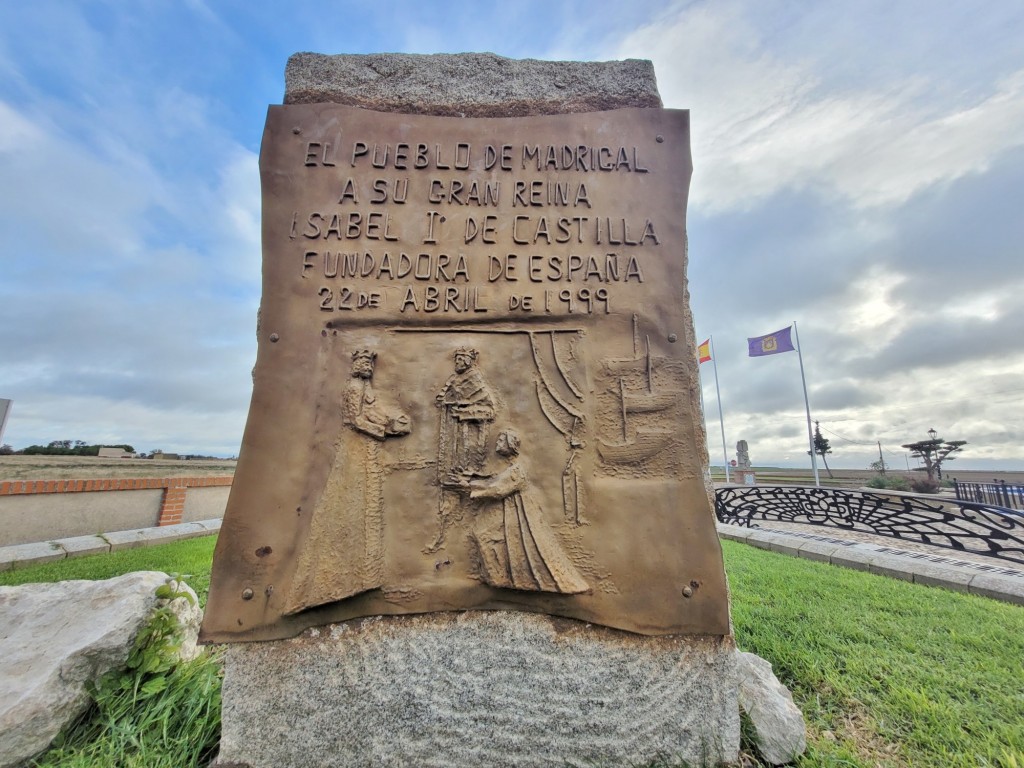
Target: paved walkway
x,y
933,566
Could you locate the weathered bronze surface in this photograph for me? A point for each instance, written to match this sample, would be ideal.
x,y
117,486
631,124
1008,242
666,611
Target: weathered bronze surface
x,y
476,381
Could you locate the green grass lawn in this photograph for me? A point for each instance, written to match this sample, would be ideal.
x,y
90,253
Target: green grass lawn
x,y
887,673
190,558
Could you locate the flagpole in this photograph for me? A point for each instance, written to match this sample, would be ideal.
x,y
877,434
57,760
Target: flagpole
x,y
703,416
807,405
721,419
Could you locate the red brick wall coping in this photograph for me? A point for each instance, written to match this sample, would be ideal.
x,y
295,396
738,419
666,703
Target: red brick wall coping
x,y
21,487
172,504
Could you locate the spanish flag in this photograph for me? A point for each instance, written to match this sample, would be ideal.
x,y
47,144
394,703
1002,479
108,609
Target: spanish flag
x,y
704,352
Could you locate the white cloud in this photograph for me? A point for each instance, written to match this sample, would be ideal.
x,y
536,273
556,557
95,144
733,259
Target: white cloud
x,y
129,293
17,133
240,204
763,122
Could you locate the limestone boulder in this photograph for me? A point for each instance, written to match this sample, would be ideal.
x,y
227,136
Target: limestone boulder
x,y
56,638
781,734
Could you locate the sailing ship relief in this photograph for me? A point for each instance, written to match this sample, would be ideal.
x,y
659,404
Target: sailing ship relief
x,y
644,406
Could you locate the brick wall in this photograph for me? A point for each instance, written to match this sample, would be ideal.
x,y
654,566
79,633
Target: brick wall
x,y
172,505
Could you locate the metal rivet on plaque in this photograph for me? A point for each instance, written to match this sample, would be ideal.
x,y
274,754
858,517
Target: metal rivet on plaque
x,y
296,130
659,138
673,338
247,594
687,591
274,337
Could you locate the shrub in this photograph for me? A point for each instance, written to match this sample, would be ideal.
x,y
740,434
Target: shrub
x,y
924,485
889,483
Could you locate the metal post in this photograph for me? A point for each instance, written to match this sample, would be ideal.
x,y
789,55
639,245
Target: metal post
x,y
718,394
807,405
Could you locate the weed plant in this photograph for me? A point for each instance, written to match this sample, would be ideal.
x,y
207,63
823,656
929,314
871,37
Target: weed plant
x,y
158,712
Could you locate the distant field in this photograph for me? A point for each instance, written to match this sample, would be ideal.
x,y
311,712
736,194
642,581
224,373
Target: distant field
x,y
85,467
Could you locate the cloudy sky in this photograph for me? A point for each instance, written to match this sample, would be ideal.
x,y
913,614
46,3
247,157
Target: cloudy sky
x,y
859,168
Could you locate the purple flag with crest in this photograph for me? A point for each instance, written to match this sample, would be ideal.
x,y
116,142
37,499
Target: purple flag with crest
x,y
772,344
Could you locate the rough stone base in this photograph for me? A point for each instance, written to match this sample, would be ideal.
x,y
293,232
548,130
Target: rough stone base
x,y
478,689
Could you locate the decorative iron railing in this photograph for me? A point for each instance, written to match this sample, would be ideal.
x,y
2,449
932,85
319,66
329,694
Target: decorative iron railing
x,y
961,525
998,492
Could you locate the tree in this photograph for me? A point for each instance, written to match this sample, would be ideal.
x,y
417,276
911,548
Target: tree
x,y
6,449
821,447
933,452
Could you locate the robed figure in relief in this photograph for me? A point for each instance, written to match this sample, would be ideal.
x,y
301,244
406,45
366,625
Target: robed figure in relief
x,y
344,551
467,408
515,547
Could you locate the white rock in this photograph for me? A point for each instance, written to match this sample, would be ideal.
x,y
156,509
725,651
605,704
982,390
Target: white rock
x,y
781,733
54,638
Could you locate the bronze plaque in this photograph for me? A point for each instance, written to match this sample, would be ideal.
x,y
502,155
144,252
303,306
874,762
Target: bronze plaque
x,y
476,382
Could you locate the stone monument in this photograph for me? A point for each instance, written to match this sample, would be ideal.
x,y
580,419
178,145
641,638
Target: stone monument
x,y
471,522
744,470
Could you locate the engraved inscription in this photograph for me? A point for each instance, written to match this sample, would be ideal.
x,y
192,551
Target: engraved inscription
x,y
556,226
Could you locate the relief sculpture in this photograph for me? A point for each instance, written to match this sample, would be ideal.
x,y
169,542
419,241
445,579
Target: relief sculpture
x,y
514,547
467,407
476,385
344,554
641,406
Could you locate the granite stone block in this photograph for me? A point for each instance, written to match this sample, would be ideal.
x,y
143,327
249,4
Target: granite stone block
x,y
478,688
818,550
469,84
19,555
79,546
935,575
890,565
1006,588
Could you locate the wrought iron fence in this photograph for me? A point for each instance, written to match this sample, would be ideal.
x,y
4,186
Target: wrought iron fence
x,y
998,492
966,526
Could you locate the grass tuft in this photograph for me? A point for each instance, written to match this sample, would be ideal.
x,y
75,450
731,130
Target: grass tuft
x,y
172,725
158,712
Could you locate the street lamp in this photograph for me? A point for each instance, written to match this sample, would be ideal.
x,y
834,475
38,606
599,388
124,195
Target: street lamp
x,y
934,438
